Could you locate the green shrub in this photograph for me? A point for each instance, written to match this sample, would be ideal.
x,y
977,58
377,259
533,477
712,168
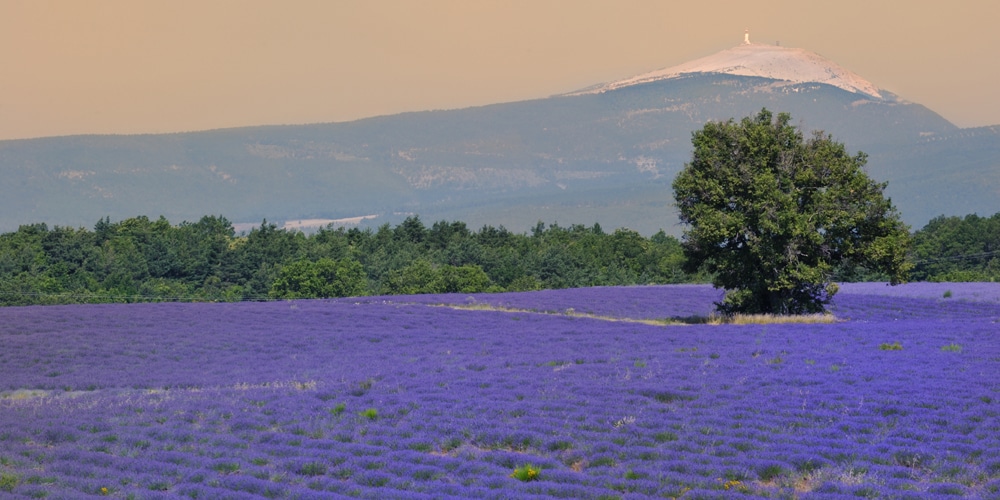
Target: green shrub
x,y
895,346
525,473
8,482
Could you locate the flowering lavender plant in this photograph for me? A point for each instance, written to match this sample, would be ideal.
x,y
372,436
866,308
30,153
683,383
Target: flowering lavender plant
x,y
398,397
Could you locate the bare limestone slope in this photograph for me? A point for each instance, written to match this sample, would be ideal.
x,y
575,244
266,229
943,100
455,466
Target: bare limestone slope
x,y
765,61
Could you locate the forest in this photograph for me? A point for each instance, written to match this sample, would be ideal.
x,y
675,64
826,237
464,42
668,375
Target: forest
x,y
957,249
142,259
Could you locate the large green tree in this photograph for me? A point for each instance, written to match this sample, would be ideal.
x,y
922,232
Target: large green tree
x,y
323,278
771,214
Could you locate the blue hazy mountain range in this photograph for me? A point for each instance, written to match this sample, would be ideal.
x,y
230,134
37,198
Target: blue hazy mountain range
x,y
605,157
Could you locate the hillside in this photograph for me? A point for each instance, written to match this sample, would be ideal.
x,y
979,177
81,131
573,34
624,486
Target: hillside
x,y
607,157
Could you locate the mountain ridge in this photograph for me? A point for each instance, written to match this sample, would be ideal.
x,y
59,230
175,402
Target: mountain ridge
x,y
606,157
767,61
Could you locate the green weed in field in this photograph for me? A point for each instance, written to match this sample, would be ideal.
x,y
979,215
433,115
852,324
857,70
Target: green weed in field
x,y
525,473
338,409
8,482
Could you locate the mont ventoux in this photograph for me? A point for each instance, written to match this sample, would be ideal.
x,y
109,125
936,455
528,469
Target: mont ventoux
x,y
606,154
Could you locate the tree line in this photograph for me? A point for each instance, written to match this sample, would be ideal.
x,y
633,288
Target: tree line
x,y
141,259
958,249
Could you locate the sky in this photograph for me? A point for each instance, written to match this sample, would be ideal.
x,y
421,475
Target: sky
x,y
157,66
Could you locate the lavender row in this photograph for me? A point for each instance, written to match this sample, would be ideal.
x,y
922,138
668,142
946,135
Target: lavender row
x,y
392,400
671,301
854,301
975,292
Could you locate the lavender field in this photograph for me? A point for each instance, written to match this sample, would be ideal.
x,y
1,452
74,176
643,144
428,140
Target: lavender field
x,y
547,394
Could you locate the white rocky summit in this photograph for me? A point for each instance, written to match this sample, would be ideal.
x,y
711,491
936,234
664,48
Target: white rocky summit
x,y
765,61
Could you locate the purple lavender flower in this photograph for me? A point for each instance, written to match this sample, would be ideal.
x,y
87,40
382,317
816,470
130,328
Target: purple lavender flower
x,y
270,399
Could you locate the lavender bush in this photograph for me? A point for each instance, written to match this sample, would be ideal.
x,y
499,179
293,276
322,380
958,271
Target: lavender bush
x,y
396,397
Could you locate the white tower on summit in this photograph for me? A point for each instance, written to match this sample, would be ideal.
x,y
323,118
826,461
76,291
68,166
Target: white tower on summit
x,y
746,37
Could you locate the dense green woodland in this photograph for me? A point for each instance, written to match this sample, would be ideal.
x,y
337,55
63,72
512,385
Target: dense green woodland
x,y
958,249
139,259
142,259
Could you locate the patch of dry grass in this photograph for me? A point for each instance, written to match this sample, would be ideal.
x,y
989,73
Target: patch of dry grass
x,y
568,312
777,319
737,319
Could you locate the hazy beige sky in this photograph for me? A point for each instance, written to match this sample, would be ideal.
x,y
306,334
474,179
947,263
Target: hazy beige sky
x,y
147,66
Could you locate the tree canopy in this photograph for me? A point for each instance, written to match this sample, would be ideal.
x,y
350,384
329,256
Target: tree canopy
x,y
142,259
958,249
772,215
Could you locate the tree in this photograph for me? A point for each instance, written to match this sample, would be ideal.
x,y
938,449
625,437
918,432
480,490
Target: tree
x,y
256,260
418,277
958,249
411,230
203,247
462,279
320,279
772,214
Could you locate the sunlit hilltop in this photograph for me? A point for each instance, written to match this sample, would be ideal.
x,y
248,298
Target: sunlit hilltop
x,y
765,61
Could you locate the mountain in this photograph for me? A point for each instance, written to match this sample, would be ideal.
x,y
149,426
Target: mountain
x,y
765,61
607,154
